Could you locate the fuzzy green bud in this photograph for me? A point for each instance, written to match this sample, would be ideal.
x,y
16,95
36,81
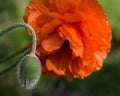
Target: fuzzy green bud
x,y
29,71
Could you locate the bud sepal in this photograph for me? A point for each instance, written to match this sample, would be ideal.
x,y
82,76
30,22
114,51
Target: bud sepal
x,y
29,71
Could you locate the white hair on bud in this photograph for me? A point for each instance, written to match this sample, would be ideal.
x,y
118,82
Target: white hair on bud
x,y
25,83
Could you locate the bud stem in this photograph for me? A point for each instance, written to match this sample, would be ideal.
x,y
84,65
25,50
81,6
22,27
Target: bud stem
x,y
26,26
13,55
11,66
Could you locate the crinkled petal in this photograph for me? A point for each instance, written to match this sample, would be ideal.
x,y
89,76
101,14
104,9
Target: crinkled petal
x,y
52,42
96,22
98,60
32,19
71,17
35,5
82,23
34,13
43,19
75,67
67,5
50,27
71,34
59,61
95,30
79,70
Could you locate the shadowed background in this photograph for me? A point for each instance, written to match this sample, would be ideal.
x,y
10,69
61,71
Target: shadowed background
x,y
106,82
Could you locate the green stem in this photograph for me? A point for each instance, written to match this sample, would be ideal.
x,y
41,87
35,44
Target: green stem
x,y
13,55
10,67
26,26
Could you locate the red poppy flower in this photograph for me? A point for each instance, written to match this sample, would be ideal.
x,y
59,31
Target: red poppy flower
x,y
73,36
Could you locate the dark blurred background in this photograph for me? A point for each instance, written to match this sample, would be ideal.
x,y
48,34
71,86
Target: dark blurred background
x,y
106,82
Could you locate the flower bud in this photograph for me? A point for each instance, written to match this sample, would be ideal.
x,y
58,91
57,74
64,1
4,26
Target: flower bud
x,y
29,71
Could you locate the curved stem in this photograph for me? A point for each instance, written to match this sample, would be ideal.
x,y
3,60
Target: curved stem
x,y
26,26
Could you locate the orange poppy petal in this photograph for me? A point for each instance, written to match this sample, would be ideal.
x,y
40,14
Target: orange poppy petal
x,y
95,29
47,73
59,61
75,67
43,19
98,60
50,27
41,5
71,34
80,70
96,20
52,42
67,5
82,23
32,14
32,19
71,17
35,5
